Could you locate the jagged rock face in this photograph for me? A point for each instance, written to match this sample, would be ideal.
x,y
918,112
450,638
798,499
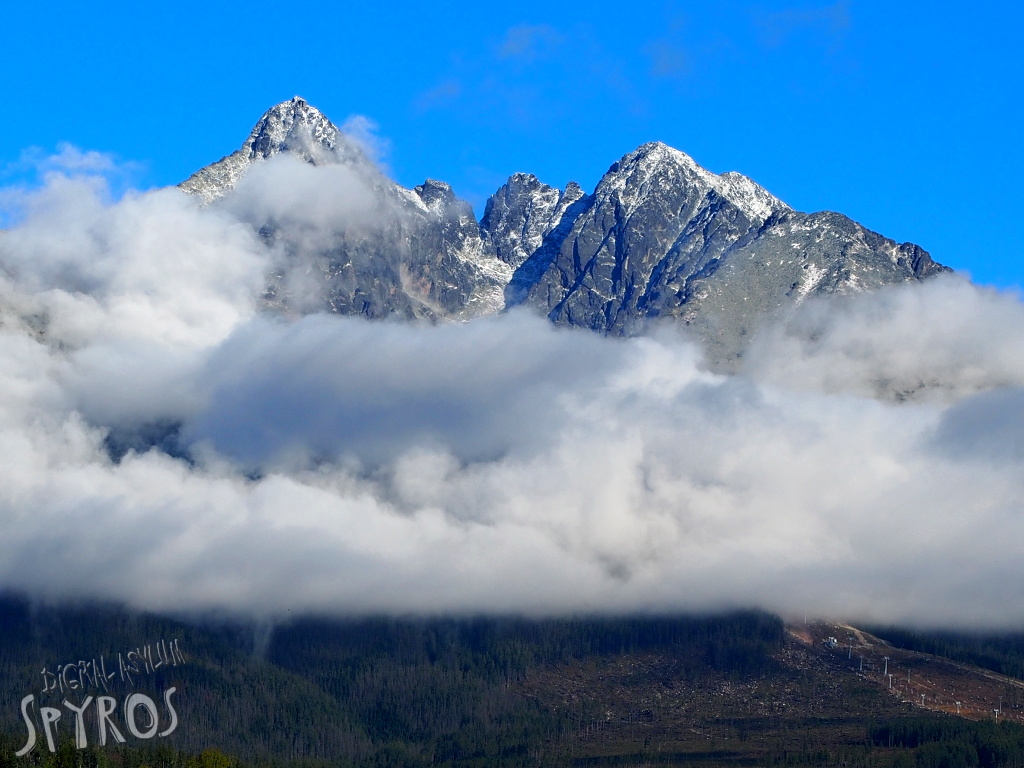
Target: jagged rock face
x,y
796,256
655,221
466,280
423,258
419,255
522,213
662,237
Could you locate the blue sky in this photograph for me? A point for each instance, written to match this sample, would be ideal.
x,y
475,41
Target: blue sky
x,y
904,116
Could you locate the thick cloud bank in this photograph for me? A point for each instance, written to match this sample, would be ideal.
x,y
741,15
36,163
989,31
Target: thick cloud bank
x,y
866,464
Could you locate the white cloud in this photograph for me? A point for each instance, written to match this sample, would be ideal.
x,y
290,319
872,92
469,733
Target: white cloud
x,y
286,191
939,340
36,169
339,465
365,133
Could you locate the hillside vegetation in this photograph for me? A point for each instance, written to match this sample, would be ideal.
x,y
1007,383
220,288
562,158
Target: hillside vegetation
x,y
588,691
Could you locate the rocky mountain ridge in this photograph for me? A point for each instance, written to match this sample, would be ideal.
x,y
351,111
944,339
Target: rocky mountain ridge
x,y
659,237
410,254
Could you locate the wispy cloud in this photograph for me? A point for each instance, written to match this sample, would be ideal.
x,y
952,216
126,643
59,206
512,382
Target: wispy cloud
x,y
827,24
667,54
37,167
533,69
366,134
531,42
667,58
444,93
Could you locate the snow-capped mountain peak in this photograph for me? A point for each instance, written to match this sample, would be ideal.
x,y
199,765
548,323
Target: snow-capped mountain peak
x,y
436,195
295,127
655,165
522,213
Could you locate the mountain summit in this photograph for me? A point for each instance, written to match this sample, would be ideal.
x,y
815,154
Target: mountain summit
x,y
407,253
662,237
659,237
294,127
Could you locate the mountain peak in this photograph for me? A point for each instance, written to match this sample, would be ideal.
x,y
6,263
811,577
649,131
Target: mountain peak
x,y
655,164
436,195
294,127
656,153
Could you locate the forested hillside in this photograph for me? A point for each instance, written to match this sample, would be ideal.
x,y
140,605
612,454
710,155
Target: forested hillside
x,y
362,690
376,692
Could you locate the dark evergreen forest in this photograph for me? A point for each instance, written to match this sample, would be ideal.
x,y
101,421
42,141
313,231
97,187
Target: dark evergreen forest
x,y
377,692
368,691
